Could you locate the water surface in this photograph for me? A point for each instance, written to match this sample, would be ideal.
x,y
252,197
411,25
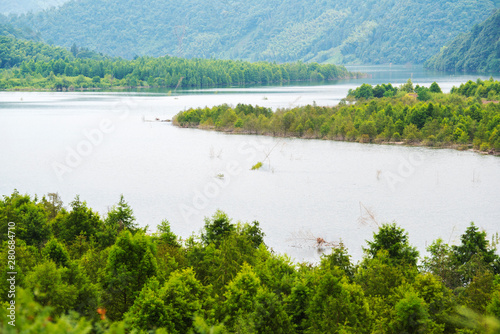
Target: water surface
x,y
101,145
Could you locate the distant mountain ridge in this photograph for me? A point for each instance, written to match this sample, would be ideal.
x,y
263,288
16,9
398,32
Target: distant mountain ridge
x,y
10,31
477,50
334,31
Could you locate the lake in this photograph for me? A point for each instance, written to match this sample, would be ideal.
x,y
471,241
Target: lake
x,y
103,144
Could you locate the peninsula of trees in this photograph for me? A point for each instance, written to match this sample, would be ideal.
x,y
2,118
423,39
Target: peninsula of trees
x,y
31,65
79,272
468,117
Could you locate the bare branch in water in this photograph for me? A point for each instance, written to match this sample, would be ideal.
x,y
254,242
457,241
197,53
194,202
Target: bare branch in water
x,y
367,216
303,239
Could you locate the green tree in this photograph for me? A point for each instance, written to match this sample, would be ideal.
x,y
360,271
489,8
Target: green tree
x,y
216,228
166,235
364,91
441,263
439,299
368,128
423,94
474,242
148,311
74,49
394,240
412,316
29,216
475,254
241,296
380,276
338,258
173,306
31,317
119,218
80,221
434,88
249,305
477,294
53,204
130,263
493,308
408,87
122,216
56,252
49,289
337,306
184,298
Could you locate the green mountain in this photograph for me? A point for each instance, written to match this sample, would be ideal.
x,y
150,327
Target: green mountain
x,y
477,50
8,30
14,51
334,31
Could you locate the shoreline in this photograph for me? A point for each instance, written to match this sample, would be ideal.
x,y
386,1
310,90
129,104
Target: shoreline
x,y
355,75
456,147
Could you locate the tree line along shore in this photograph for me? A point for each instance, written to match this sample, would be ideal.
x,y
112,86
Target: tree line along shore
x,y
28,65
466,118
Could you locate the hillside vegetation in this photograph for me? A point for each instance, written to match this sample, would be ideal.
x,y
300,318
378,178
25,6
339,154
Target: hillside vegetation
x,y
16,52
37,66
382,114
335,31
79,272
476,50
8,30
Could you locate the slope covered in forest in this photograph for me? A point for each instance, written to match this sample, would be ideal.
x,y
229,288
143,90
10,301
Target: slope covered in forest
x,y
477,50
36,65
15,51
336,31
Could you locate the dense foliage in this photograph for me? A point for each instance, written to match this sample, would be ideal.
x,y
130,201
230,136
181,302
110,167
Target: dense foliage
x,y
32,65
79,272
360,31
477,50
415,115
488,89
8,30
14,52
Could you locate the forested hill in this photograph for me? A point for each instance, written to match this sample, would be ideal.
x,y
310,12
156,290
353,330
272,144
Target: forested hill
x,y
477,50
14,52
36,65
11,31
337,31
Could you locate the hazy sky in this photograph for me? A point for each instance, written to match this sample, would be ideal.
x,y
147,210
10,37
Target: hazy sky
x,y
21,6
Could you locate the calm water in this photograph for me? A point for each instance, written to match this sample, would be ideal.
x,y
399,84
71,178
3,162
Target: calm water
x,y
101,145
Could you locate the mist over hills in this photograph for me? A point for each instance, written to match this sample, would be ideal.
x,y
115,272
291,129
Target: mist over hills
x,y
335,31
23,6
